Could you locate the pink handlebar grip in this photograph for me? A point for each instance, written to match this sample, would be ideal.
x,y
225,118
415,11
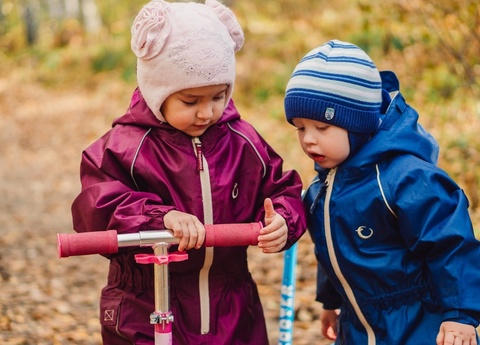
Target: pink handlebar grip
x,y
231,235
98,242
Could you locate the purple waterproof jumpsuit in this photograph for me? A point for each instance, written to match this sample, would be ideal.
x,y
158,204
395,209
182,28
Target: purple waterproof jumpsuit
x,y
143,168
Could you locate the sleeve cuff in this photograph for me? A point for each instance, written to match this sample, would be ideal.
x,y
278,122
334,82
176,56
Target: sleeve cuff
x,y
461,316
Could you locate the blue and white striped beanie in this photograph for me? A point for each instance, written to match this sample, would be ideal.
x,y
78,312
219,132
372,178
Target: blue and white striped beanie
x,y
336,83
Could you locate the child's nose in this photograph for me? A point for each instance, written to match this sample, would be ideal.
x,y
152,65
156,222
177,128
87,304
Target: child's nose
x,y
205,112
309,137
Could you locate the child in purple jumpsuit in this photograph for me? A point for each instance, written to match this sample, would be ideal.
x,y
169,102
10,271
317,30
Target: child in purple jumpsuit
x,y
181,157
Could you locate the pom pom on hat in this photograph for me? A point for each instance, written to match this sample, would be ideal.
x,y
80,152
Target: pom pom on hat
x,y
336,83
184,45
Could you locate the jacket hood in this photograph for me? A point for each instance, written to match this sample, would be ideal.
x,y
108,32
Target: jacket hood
x,y
139,114
398,134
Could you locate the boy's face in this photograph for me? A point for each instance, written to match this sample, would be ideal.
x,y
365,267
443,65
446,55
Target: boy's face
x,y
194,110
326,144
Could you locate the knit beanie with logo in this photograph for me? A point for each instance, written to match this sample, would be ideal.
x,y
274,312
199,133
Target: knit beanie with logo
x,y
337,83
184,45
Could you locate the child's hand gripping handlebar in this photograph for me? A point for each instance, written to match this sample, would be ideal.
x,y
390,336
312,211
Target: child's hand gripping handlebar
x,y
108,242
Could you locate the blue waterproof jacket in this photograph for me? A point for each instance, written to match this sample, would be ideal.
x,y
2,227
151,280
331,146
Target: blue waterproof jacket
x,y
393,237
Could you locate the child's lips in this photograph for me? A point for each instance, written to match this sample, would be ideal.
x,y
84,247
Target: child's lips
x,y
316,157
201,127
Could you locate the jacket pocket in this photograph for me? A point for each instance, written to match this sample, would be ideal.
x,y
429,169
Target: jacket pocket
x,y
110,310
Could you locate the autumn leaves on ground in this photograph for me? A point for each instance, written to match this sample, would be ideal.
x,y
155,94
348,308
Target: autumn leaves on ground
x,y
60,94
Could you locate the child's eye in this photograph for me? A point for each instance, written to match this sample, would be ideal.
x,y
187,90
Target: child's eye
x,y
189,103
219,97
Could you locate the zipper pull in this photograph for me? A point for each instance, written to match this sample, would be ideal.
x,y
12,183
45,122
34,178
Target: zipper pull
x,y
322,189
199,153
329,176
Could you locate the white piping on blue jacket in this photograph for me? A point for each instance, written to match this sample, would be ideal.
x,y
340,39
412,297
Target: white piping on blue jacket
x,y
381,191
333,260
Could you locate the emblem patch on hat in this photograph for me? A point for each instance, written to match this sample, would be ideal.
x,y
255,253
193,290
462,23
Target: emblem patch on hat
x,y
329,113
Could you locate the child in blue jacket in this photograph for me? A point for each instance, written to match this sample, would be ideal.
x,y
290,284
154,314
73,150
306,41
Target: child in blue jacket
x,y
398,259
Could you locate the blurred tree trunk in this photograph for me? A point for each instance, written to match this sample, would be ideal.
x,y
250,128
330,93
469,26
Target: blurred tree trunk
x,y
31,19
83,10
90,17
84,13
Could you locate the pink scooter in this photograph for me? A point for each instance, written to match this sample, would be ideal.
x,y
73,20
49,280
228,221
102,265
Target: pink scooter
x,y
108,242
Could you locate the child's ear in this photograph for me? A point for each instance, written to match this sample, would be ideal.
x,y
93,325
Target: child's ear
x,y
228,19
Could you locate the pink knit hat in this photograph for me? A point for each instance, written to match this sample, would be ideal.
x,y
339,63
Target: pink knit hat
x,y
184,45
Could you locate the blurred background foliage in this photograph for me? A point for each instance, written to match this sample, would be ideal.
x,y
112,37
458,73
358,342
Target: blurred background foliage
x,y
432,45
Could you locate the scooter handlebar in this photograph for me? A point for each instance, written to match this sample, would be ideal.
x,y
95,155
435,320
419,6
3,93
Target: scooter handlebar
x,y
231,235
86,243
108,242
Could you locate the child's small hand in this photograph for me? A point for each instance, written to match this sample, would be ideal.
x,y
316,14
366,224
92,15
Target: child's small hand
x,y
456,333
328,319
187,227
273,236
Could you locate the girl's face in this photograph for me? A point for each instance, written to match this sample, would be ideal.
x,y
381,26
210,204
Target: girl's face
x,y
194,110
326,144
